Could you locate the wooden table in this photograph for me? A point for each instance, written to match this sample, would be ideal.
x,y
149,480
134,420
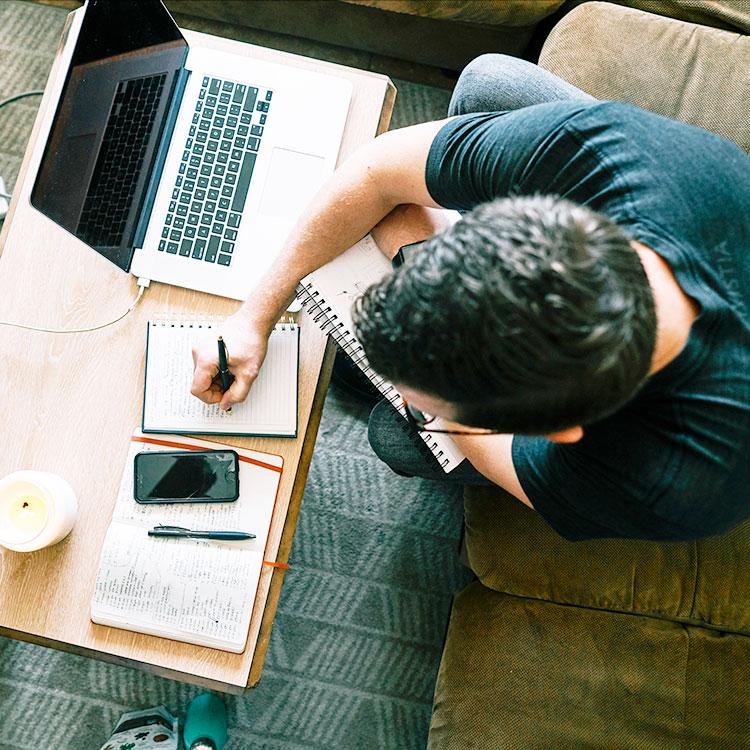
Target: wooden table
x,y
70,403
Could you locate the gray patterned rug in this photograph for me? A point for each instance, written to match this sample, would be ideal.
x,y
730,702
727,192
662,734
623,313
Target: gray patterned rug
x,y
361,621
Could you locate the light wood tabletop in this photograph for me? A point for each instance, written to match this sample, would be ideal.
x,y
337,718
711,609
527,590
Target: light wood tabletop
x,y
71,402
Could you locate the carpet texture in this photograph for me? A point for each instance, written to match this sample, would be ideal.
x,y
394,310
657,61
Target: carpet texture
x,y
361,620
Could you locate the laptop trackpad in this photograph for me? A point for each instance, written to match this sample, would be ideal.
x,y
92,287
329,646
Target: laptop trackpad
x,y
293,178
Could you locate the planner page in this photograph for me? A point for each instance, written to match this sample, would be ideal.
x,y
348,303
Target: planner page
x,y
168,406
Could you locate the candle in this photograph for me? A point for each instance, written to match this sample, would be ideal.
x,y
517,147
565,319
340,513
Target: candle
x,y
37,509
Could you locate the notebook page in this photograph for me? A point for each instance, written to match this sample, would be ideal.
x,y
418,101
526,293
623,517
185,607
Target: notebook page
x,y
270,408
331,292
191,590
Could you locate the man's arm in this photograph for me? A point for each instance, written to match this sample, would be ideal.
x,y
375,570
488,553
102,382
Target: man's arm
x,y
385,173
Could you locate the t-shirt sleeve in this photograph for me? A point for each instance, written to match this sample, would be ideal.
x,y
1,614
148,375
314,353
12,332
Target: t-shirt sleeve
x,y
476,158
585,493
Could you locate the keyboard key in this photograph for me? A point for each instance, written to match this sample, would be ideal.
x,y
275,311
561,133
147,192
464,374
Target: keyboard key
x,y
224,98
234,166
208,112
198,106
186,247
172,205
223,202
210,158
240,143
205,80
206,220
198,248
227,86
201,137
217,228
172,247
226,191
185,155
248,164
204,126
222,157
262,120
230,234
239,93
179,223
198,150
175,192
193,220
231,122
227,247
178,181
215,86
252,143
212,146
225,260
213,246
202,231
192,173
216,182
269,94
234,220
219,122
168,220
245,119
210,207
175,235
189,143
213,194
165,232
225,146
210,101
189,185
242,130
200,195
196,207
182,210
262,107
256,130
222,109
236,153
221,216
202,94
189,231
231,178
195,161
191,132
185,197
183,167
250,97
202,183
162,244
206,170
196,117
215,133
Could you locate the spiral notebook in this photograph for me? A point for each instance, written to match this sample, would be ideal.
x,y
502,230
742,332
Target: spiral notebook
x,y
329,293
270,409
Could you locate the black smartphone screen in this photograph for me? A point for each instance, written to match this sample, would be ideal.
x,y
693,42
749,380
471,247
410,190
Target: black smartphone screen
x,y
186,476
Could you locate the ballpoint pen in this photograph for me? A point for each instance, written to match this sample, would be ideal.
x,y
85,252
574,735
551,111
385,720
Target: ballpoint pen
x,y
226,380
179,531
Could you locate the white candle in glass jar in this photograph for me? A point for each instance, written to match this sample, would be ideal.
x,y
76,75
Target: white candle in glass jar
x,y
37,509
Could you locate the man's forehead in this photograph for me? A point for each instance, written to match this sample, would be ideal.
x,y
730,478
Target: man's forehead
x,y
426,402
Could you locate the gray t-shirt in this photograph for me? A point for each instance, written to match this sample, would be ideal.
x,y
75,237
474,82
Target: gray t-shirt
x,y
674,463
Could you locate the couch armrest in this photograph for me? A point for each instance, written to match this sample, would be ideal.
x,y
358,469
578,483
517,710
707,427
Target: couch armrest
x,y
688,72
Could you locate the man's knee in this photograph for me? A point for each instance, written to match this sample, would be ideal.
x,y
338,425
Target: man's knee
x,y
480,82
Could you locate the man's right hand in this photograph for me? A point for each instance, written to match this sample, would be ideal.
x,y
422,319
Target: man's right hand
x,y
246,346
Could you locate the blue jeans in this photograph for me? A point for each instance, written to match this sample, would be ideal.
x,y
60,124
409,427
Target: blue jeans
x,y
491,83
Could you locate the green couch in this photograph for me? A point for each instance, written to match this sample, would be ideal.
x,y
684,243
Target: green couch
x,y
607,644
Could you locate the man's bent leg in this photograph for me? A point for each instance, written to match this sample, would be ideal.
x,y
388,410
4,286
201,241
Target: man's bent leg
x,y
494,83
398,445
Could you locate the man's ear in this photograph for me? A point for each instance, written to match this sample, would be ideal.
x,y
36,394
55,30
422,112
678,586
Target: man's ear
x,y
571,435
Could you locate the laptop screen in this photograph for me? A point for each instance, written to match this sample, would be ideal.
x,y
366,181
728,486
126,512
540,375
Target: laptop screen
x,y
110,118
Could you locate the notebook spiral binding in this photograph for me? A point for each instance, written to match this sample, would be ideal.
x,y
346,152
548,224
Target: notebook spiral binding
x,y
318,308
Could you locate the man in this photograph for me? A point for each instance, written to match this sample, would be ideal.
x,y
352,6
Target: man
x,y
593,301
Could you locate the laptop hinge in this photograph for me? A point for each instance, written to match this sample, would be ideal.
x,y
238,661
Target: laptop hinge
x,y
180,83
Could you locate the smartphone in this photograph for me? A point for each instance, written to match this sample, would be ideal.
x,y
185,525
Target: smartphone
x,y
186,476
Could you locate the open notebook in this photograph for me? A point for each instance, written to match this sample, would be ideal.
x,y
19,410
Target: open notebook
x,y
192,590
329,293
270,410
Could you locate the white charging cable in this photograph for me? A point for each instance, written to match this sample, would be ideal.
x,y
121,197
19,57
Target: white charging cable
x,y
142,284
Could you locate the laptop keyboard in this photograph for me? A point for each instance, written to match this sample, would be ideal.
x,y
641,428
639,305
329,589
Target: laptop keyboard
x,y
209,193
118,166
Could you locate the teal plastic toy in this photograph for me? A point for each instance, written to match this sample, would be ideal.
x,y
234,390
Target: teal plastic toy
x,y
205,723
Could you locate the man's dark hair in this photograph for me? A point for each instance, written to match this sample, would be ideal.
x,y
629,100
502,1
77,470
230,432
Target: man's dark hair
x,y
530,315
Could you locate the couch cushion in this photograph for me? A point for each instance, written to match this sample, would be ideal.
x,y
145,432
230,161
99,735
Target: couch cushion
x,y
520,674
691,73
512,550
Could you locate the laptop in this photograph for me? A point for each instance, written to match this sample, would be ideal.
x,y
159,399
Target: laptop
x,y
183,164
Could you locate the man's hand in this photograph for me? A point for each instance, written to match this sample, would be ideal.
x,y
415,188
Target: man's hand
x,y
246,346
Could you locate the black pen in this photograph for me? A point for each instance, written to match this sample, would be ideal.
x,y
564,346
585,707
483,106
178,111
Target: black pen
x,y
223,367
179,531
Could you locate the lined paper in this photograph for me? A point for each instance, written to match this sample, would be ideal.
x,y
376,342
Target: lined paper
x,y
270,408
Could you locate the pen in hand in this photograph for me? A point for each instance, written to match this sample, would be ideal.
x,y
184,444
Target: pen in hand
x,y
224,374
179,531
